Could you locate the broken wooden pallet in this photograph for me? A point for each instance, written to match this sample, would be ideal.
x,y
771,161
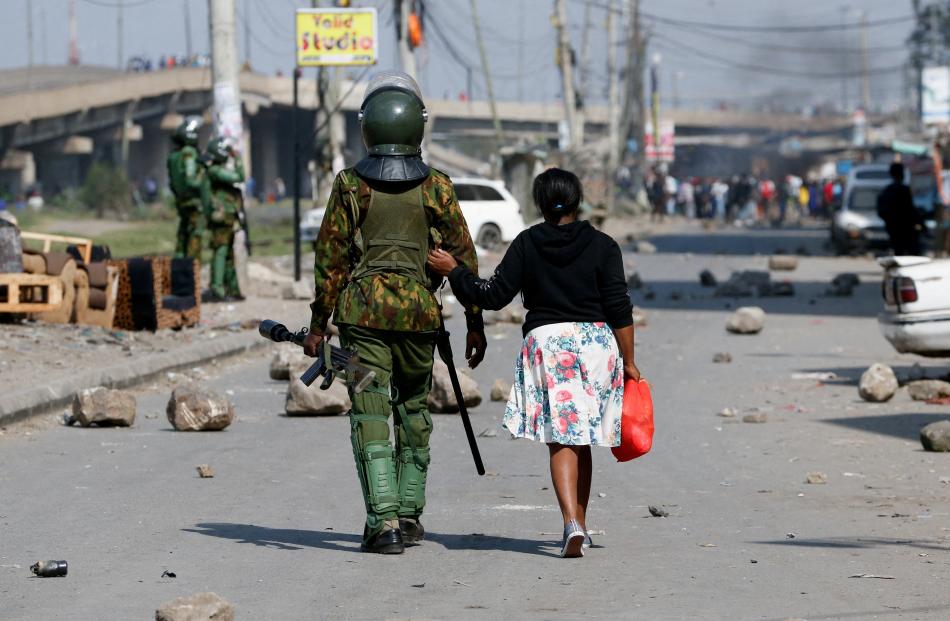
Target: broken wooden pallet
x,y
30,293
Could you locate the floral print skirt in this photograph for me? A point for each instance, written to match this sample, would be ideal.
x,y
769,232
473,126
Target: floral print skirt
x,y
568,386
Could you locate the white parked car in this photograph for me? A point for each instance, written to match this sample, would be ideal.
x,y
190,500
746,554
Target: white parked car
x,y
856,225
491,212
916,317
310,222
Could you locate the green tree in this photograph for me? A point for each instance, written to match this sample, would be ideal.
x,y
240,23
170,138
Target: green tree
x,y
106,190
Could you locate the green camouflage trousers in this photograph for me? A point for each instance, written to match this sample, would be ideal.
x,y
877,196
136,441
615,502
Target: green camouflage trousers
x,y
191,227
224,280
393,479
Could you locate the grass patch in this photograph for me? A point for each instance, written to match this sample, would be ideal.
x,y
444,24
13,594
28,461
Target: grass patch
x,y
157,236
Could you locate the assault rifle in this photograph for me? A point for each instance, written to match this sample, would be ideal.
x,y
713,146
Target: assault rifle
x,y
331,360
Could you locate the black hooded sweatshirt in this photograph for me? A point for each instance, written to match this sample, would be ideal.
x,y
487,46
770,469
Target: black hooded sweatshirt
x,y
566,273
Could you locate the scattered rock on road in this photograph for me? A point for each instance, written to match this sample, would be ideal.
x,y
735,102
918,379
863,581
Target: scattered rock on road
x,y
500,390
305,400
707,279
199,607
878,383
298,290
782,289
783,263
104,407
284,359
722,358
658,512
727,413
193,409
442,398
757,417
842,285
927,390
644,247
936,436
205,471
816,478
746,320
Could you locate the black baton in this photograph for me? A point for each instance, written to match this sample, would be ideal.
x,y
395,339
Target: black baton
x,y
445,352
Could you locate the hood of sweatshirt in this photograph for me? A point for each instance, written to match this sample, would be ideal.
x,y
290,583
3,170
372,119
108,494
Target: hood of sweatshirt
x,y
561,245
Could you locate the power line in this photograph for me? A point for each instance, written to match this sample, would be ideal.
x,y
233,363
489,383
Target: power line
x,y
267,21
793,48
257,39
116,5
774,71
672,21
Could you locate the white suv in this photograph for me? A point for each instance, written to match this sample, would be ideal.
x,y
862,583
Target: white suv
x,y
491,212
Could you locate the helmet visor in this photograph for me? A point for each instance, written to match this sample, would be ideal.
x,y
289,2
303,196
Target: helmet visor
x,y
392,79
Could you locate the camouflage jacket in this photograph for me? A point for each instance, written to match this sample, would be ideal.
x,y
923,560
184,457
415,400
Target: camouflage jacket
x,y
186,175
383,301
226,198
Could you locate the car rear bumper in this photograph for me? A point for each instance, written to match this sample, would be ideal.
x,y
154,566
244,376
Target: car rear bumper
x,y
926,334
308,234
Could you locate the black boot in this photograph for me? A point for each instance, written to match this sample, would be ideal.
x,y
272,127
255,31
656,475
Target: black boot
x,y
412,530
387,541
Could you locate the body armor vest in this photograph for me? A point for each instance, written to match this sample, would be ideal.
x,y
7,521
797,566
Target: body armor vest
x,y
394,237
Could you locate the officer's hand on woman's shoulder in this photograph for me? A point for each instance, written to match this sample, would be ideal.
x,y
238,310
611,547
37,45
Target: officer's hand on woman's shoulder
x,y
311,344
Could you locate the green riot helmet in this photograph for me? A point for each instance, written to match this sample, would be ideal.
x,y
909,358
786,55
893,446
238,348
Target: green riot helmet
x,y
187,132
392,119
218,150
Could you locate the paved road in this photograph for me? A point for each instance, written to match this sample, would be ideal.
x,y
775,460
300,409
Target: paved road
x,y
277,530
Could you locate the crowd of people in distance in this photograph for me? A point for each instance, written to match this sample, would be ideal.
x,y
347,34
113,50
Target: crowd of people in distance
x,y
741,198
143,64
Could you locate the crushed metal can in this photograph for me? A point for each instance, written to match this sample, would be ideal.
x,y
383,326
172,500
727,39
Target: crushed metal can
x,y
49,569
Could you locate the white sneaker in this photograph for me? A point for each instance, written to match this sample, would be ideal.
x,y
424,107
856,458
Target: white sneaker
x,y
574,536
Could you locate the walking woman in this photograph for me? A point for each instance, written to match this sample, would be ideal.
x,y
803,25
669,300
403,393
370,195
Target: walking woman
x,y
578,339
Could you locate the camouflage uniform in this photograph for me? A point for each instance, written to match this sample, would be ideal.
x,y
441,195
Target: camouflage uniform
x,y
187,177
390,318
226,203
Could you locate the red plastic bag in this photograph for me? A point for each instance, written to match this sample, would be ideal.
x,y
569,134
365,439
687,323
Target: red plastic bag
x,y
636,425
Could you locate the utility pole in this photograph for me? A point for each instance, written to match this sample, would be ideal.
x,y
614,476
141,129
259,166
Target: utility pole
x,y
613,109
865,65
583,78
499,138
187,11
567,72
118,34
632,107
845,62
520,52
29,34
402,37
224,72
226,90
43,35
330,138
73,34
247,34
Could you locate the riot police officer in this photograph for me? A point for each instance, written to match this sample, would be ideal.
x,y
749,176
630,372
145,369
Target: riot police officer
x,y
382,217
186,175
227,202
